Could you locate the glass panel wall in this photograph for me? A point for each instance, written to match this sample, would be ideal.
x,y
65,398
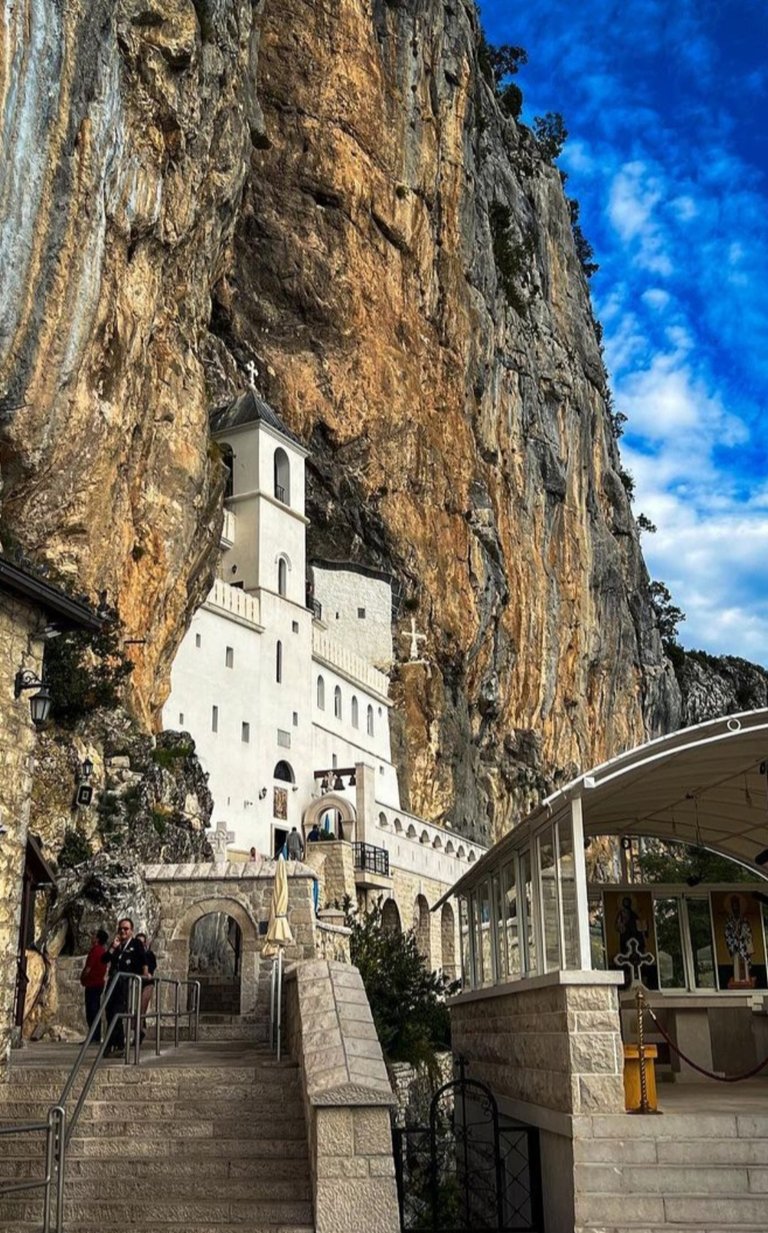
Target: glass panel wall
x,y
477,941
485,935
666,915
466,956
497,935
510,930
550,901
570,915
528,932
702,951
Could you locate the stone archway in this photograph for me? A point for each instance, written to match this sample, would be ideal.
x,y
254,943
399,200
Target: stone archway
x,y
175,961
332,802
422,926
215,960
390,917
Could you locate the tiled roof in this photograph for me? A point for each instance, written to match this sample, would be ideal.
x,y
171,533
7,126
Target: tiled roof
x,y
249,408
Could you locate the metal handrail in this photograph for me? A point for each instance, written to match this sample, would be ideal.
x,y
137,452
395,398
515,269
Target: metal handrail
x,y
276,1004
57,1128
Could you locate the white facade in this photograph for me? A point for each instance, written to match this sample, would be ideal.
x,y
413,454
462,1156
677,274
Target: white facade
x,y
272,695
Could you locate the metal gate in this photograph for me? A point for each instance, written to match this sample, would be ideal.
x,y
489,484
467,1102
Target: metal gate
x,y
469,1170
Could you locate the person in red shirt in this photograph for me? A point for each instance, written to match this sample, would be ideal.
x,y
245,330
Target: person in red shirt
x,y
92,978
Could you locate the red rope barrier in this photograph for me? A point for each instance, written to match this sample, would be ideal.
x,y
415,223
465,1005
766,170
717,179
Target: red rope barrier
x,y
749,1074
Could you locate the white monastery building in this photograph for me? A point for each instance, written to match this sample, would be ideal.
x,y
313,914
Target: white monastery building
x,y
282,681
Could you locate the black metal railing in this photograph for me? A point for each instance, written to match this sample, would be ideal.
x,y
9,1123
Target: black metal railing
x,y
371,859
280,493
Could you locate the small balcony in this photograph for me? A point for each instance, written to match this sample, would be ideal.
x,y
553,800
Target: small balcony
x,y
372,867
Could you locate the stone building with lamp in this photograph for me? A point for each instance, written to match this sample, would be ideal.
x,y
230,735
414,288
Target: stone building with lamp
x,y
282,680
30,607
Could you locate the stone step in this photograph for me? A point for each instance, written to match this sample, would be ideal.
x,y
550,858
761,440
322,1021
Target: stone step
x,y
289,1161
85,1147
694,1211
733,1151
187,1189
668,1179
674,1126
169,1108
95,1214
185,1226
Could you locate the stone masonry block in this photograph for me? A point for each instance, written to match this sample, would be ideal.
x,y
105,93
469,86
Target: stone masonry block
x,y
340,1206
600,1094
335,1132
594,1054
372,1132
342,1166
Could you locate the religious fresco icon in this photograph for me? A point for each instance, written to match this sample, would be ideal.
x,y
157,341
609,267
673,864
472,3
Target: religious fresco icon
x,y
628,918
739,940
280,804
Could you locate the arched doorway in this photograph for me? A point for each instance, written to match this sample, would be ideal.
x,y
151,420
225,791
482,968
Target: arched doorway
x,y
336,811
421,924
390,917
215,959
448,941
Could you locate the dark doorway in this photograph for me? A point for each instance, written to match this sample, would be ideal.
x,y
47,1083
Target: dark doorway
x,y
215,959
279,836
38,876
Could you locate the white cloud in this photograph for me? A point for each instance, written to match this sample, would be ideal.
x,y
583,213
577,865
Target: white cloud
x,y
657,298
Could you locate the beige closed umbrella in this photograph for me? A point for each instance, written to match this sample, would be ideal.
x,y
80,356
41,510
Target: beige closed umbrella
x,y
278,931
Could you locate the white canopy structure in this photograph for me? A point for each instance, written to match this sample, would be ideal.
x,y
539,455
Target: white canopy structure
x,y
706,785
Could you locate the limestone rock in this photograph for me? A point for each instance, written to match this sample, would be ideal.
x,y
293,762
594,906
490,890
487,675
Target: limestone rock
x,y
96,894
718,685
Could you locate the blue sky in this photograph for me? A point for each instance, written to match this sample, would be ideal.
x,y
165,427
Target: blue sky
x,y
666,105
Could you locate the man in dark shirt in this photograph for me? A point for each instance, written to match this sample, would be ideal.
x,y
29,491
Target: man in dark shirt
x,y
147,981
126,954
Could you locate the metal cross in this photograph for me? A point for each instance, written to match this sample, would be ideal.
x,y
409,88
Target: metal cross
x,y
415,640
219,840
635,959
253,373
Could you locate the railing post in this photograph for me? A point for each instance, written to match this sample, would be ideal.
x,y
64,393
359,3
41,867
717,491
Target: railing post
x,y
49,1158
196,991
61,1139
176,990
157,1018
136,982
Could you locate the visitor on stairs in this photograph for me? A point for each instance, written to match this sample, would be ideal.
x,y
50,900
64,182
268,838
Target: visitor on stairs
x,y
147,982
92,979
295,845
126,954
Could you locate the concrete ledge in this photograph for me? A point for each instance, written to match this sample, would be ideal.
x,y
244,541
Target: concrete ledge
x,y
546,981
224,870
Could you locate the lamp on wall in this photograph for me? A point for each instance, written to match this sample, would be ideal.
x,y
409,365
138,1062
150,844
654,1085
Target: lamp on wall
x,y
39,703
262,793
86,768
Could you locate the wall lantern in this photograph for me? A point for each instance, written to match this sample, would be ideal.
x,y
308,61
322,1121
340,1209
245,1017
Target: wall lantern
x,y
39,703
86,768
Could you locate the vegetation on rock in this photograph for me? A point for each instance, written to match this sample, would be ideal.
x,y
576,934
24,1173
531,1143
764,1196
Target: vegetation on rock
x,y
86,671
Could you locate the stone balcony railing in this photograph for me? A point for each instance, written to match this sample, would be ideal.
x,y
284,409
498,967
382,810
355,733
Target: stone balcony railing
x,y
420,847
234,602
334,655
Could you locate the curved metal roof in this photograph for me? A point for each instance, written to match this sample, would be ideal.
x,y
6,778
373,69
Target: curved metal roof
x,y
706,785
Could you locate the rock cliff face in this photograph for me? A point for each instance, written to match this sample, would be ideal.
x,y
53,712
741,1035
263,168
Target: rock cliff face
x,y
124,147
713,685
444,368
459,429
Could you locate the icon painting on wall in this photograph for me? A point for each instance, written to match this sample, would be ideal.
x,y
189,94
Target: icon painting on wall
x,y
628,917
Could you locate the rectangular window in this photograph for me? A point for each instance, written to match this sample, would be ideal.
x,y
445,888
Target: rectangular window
x,y
214,719
669,944
510,929
361,614
245,733
495,929
181,717
295,626
484,937
526,886
550,915
283,738
702,954
597,945
466,968
295,719
229,657
198,640
570,916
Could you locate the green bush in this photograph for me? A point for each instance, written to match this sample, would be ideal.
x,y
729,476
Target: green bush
x,y
84,671
511,260
74,850
407,1001
168,756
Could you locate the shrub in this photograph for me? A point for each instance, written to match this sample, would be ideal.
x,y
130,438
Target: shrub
x,y
85,670
407,1001
511,100
551,134
511,260
74,850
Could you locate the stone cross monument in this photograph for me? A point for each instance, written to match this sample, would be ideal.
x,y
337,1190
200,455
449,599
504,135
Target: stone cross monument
x,y
219,840
415,640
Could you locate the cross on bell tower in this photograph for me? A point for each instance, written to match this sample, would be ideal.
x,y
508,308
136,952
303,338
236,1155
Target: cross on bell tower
x,y
253,373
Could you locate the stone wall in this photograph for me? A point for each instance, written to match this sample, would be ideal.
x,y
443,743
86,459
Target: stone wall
x,y
347,1097
333,861
19,647
553,1042
243,891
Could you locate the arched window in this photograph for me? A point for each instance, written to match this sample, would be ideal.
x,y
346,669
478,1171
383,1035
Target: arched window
x,y
228,462
369,721
282,477
355,712
279,662
284,772
282,576
337,702
320,693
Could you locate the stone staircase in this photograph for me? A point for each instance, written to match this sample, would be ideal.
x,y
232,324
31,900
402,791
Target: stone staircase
x,y
695,1173
209,1138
